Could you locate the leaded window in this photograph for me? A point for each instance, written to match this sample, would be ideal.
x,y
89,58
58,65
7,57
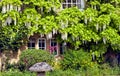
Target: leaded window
x,y
42,43
73,3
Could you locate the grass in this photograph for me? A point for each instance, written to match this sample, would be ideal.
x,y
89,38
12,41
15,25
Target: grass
x,y
16,73
95,71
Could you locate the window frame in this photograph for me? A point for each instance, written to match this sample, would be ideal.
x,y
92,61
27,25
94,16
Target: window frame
x,y
44,43
76,3
56,45
31,41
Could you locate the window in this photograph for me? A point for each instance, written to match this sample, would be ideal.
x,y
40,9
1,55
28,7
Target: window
x,y
53,46
62,47
42,44
31,43
53,42
71,3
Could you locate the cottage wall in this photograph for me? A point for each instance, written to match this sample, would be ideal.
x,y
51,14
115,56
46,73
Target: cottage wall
x,y
13,57
8,56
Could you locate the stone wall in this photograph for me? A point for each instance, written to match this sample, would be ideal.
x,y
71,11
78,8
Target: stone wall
x,y
13,57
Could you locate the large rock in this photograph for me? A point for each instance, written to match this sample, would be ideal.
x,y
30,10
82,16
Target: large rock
x,y
40,68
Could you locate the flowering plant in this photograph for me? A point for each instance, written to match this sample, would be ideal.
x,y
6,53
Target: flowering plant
x,y
52,49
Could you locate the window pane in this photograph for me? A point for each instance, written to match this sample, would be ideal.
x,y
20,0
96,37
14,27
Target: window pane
x,y
42,44
61,48
74,1
53,42
69,5
28,44
69,1
33,45
64,1
39,40
74,5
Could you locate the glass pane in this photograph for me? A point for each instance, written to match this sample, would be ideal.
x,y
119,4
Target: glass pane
x,y
52,44
63,1
74,1
33,44
29,45
64,6
69,1
39,41
74,5
69,5
43,44
40,45
55,43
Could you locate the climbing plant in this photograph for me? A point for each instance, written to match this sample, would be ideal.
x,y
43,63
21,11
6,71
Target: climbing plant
x,y
98,25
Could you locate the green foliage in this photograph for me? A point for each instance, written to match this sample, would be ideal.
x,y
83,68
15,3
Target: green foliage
x,y
62,73
94,29
76,60
112,36
24,22
97,26
106,70
15,72
92,71
32,56
14,2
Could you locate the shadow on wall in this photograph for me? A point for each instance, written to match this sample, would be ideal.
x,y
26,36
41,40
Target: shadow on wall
x,y
112,58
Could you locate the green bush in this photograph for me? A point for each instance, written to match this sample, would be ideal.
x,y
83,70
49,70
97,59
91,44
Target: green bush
x,y
93,71
62,73
106,69
100,70
90,71
32,56
76,59
16,72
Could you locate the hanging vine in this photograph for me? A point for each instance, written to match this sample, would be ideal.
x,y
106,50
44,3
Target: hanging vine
x,y
98,24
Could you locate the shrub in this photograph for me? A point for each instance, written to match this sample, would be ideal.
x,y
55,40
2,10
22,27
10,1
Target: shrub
x,y
32,56
16,72
76,59
62,73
